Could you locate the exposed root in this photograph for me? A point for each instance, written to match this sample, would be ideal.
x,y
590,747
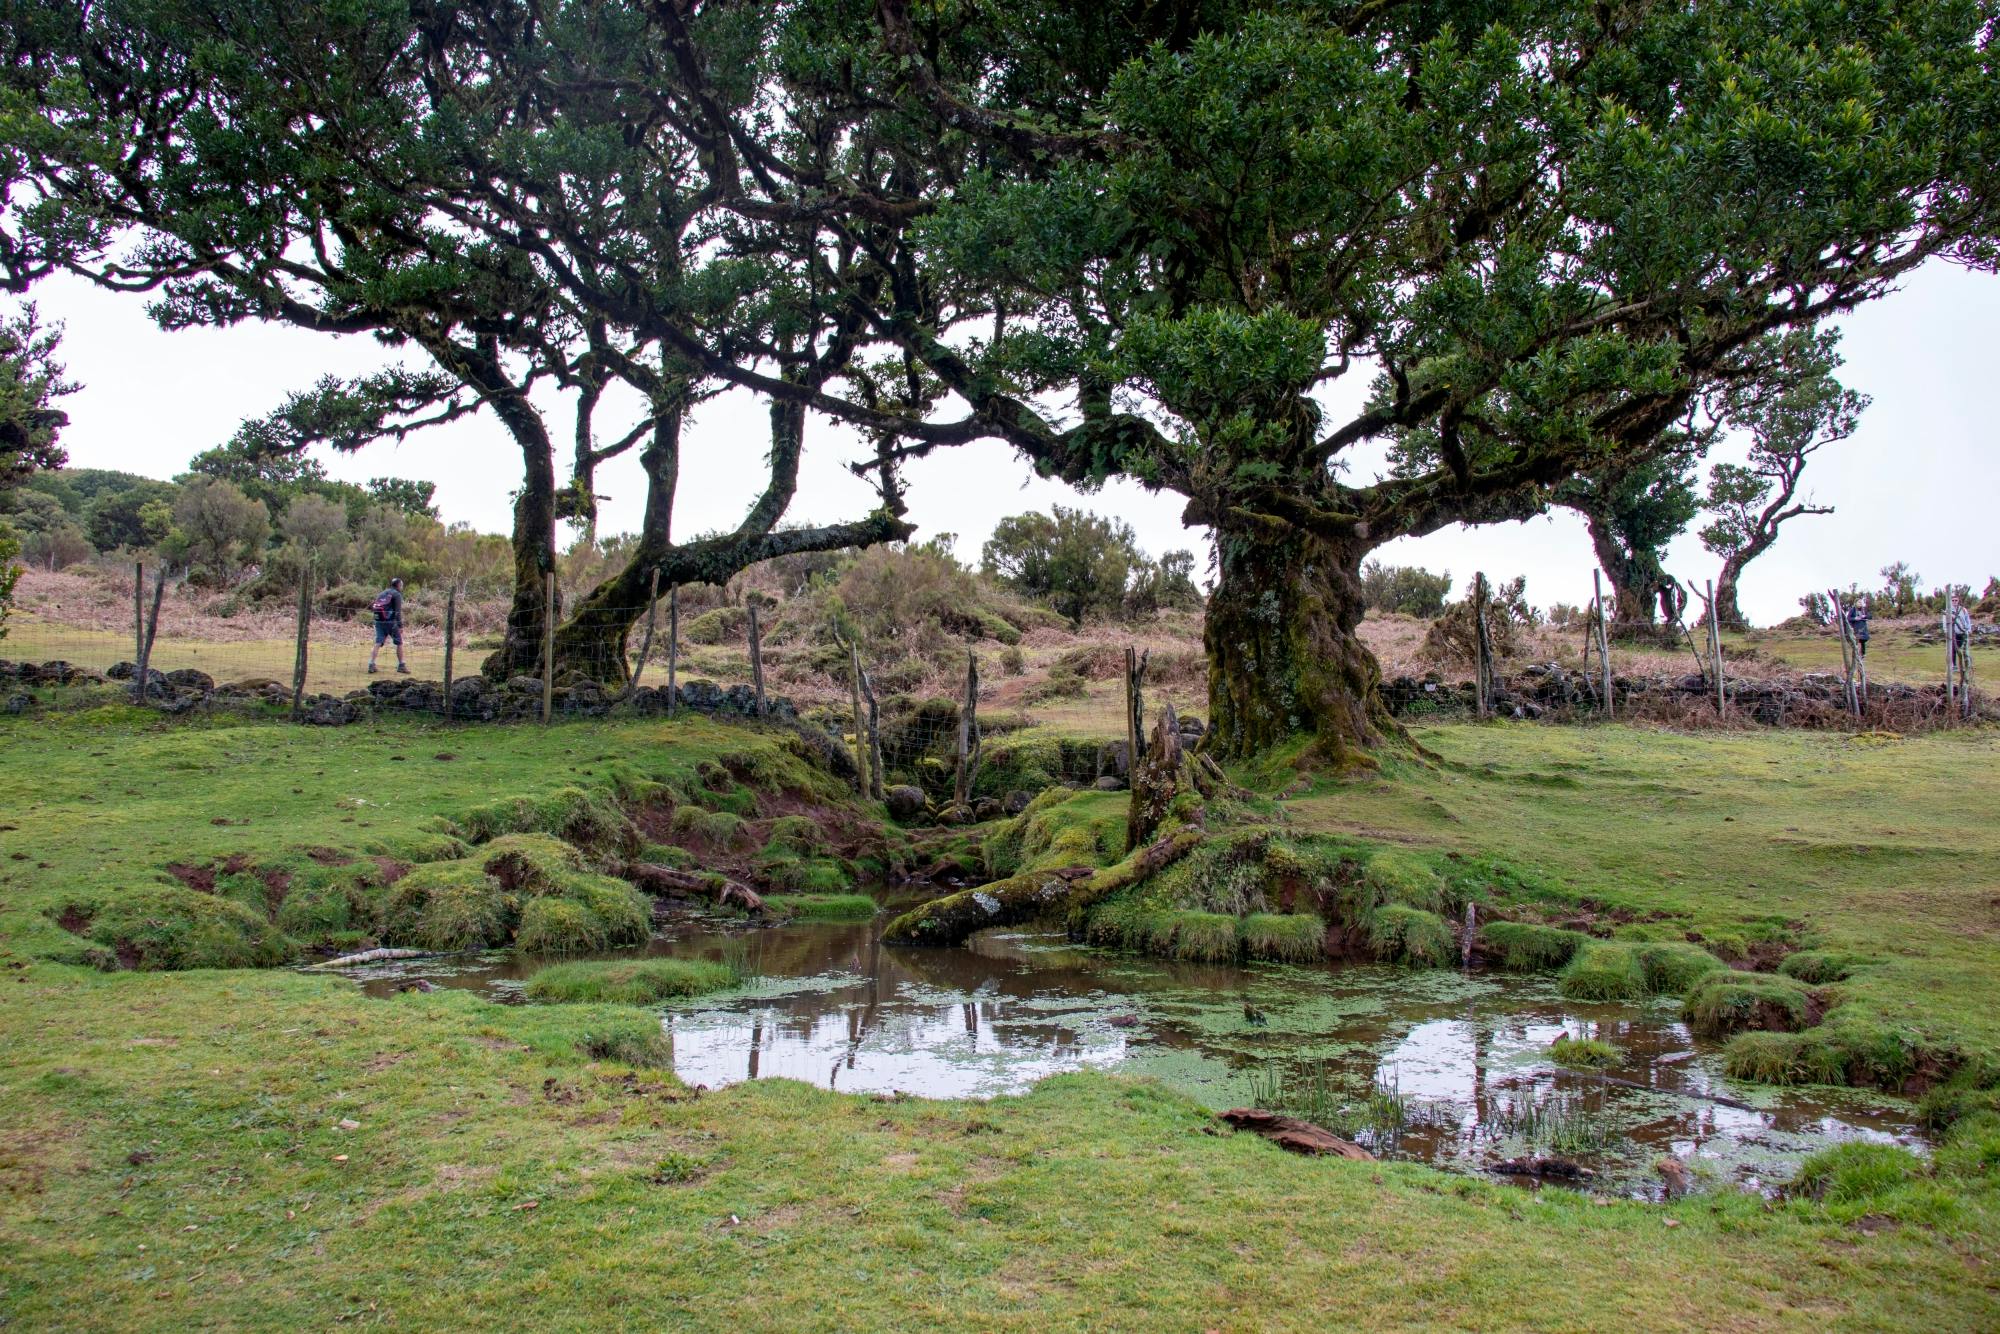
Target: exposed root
x,y
724,892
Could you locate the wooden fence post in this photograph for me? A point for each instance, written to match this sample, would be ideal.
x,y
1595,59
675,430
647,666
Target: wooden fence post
x,y
1603,643
305,630
874,738
1715,649
1131,712
860,728
756,657
147,632
548,646
652,623
673,646
450,633
969,740
138,630
1482,649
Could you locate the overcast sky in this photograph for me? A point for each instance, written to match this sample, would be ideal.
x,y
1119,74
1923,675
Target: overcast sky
x,y
1919,482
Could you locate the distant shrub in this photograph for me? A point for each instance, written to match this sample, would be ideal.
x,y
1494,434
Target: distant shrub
x,y
1408,589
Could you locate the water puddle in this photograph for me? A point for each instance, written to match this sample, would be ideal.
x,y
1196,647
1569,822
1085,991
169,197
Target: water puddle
x,y
1441,1067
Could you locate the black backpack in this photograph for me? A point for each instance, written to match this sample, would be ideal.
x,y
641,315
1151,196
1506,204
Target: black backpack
x,y
384,606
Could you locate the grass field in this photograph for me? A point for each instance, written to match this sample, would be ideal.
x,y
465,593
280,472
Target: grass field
x,y
254,1149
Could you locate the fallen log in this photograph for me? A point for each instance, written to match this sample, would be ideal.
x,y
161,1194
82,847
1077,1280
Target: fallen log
x,y
1033,895
371,956
1288,1132
724,892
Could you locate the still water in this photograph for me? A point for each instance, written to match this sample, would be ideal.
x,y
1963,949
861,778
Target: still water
x,y
1461,1059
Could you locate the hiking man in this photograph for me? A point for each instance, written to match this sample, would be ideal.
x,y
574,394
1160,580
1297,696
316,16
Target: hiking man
x,y
1958,627
388,609
1857,622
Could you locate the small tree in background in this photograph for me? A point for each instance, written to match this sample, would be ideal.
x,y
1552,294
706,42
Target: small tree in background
x,y
1790,418
1408,589
30,382
313,528
1078,562
217,528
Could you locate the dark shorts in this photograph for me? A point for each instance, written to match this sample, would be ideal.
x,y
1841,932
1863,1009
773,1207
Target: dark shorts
x,y
387,630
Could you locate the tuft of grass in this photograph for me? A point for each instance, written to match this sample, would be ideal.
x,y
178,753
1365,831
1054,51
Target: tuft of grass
x,y
1401,934
1584,1053
1283,937
630,981
1529,947
1857,1172
823,907
589,819
1204,937
447,906
328,906
594,913
1817,968
1784,1058
1731,1002
717,828
1605,971
819,876
1671,967
1402,878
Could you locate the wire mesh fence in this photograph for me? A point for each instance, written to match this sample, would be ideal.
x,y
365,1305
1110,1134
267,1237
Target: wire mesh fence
x,y
333,662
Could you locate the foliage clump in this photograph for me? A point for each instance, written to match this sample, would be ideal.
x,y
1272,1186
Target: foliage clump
x,y
1728,1002
822,907
1584,1053
1605,971
1284,937
1401,934
630,981
1818,968
1671,967
1529,946
447,906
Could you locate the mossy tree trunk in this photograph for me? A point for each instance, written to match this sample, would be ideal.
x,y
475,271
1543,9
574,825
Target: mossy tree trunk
x,y
1285,656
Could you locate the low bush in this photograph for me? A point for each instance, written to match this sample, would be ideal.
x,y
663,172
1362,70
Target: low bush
x,y
1605,971
629,981
1401,934
1528,947
1284,937
1731,1002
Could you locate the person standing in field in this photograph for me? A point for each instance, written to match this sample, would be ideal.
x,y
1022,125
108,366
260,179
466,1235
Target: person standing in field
x,y
1958,626
1857,622
388,609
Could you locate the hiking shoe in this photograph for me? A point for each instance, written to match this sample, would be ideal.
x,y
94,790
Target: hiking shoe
x,y
371,669
402,670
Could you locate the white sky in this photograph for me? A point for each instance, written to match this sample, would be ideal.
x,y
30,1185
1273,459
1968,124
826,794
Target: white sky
x,y
1919,482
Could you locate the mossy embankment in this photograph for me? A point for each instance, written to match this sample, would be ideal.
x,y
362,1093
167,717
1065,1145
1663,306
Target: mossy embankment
x,y
246,845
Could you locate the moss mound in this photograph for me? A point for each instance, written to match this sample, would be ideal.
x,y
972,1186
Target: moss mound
x,y
594,913
1402,934
629,981
1605,971
586,819
530,864
328,907
1283,937
1671,967
1730,1002
1528,947
172,928
1398,877
823,907
1129,924
1784,1058
806,875
1584,1053
447,906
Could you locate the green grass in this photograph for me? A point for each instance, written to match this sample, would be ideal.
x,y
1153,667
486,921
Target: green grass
x,y
1584,1053
136,1106
630,981
1399,934
1529,947
1283,937
823,907
1605,971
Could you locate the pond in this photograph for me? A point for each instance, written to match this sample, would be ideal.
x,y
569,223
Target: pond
x,y
1445,1067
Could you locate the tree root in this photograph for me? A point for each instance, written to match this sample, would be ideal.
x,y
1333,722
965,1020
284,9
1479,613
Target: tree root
x,y
1035,895
724,892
